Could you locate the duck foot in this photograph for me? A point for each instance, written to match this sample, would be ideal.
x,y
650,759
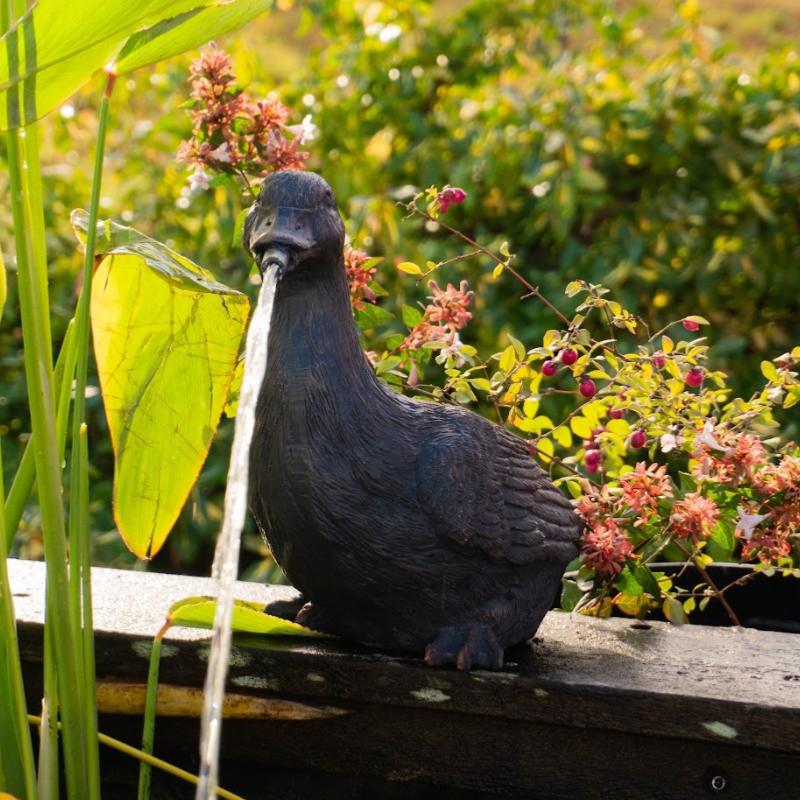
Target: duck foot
x,y
285,609
468,646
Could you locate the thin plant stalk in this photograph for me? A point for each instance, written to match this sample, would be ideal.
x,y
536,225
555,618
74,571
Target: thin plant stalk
x,y
15,738
87,619
149,723
34,309
80,578
158,763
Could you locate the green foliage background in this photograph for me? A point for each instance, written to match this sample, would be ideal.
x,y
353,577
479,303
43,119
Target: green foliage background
x,y
601,141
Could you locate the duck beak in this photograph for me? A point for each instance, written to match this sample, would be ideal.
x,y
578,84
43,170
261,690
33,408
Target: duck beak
x,y
280,236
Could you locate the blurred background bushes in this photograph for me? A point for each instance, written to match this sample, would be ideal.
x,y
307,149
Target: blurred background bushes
x,y
602,140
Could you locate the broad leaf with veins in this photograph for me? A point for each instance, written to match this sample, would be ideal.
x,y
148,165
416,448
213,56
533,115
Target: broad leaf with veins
x,y
166,341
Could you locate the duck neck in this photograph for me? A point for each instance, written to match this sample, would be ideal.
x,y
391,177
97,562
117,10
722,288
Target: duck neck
x,y
313,335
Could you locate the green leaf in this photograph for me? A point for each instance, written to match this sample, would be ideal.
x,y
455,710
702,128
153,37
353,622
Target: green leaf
x,y
570,594
519,348
409,267
673,611
166,338
411,316
371,316
186,32
3,284
199,612
52,50
626,582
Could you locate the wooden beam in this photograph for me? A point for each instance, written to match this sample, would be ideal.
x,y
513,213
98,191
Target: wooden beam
x,y
588,704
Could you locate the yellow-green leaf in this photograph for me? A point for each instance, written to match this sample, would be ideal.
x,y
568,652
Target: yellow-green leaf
x,y
581,427
199,612
563,436
508,359
166,338
409,267
769,371
186,32
53,49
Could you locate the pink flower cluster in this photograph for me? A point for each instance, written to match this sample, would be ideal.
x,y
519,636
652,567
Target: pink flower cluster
x,y
769,520
359,276
443,317
231,133
606,546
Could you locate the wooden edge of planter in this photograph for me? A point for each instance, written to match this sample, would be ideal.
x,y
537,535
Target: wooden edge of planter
x,y
724,685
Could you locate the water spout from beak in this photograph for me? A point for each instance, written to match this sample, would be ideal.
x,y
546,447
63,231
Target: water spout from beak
x,y
275,257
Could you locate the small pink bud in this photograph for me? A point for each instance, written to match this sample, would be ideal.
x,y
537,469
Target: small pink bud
x,y
549,368
587,387
568,356
638,439
694,377
616,413
690,325
658,360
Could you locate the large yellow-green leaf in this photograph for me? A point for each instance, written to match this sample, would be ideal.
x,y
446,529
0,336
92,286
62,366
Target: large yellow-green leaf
x,y
57,46
166,340
186,32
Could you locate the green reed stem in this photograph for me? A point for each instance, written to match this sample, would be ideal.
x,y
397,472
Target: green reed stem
x,y
48,729
32,277
87,619
81,595
16,748
25,476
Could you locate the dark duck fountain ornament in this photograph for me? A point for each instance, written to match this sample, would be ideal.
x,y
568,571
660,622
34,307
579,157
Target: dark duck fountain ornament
x,y
405,525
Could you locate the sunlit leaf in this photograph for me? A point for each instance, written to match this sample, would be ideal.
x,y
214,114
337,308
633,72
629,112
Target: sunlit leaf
x,y
166,338
186,32
409,267
53,49
199,612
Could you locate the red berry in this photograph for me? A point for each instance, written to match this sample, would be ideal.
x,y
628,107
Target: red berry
x,y
549,368
694,377
568,356
638,439
587,387
658,360
592,460
690,325
616,413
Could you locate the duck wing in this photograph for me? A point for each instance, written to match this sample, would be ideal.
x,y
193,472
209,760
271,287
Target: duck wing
x,y
483,491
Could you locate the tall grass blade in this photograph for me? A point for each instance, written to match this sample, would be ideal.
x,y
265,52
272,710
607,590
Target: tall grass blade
x,y
16,750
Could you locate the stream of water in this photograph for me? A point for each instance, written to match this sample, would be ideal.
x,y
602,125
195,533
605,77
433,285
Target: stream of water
x,y
226,556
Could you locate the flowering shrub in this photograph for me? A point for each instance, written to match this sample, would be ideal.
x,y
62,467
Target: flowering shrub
x,y
234,134
635,425
658,457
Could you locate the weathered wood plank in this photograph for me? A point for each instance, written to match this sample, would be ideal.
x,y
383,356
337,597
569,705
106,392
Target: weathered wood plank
x,y
610,699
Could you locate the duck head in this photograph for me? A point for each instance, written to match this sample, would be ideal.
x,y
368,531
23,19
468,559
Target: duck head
x,y
295,224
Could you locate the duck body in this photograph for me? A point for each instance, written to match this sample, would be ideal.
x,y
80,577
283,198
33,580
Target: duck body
x,y
404,524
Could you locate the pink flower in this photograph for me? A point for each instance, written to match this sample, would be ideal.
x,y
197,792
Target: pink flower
x,y
606,547
747,522
450,196
443,317
231,133
693,515
358,277
643,488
